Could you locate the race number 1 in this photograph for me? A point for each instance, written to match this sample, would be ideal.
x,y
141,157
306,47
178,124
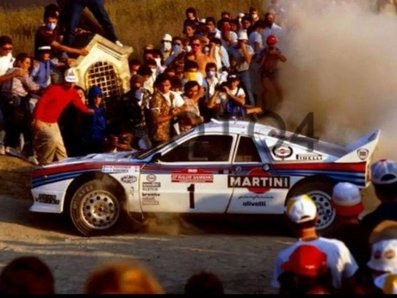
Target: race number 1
x,y
190,189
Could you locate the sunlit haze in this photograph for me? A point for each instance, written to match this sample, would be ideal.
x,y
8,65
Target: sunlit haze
x,y
341,66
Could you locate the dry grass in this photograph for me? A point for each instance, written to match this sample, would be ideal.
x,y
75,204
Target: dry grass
x,y
137,22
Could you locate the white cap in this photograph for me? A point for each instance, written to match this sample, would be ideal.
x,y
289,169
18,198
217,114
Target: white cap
x,y
387,283
301,209
167,37
384,171
70,76
44,48
346,199
242,35
240,15
384,256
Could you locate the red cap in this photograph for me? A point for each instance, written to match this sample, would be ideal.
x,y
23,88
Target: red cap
x,y
271,40
348,211
307,260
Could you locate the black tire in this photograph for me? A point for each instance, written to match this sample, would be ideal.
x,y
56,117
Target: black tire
x,y
95,208
320,191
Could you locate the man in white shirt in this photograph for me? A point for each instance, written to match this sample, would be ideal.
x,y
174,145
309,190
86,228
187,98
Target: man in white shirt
x,y
240,57
302,212
272,28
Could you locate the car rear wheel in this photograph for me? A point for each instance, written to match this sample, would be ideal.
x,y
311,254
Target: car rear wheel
x,y
320,192
95,208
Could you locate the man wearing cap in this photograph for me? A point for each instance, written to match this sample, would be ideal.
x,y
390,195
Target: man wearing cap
x,y
269,59
306,272
384,180
43,67
347,202
383,255
240,59
48,142
302,214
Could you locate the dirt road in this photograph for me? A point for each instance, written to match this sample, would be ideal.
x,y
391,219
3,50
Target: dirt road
x,y
243,262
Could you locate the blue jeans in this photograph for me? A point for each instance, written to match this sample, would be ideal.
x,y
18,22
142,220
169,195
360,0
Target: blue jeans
x,y
98,10
245,80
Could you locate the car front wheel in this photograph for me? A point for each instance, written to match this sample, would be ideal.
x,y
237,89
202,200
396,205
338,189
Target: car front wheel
x,y
95,209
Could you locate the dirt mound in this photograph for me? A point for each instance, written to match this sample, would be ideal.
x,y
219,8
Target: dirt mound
x,y
15,177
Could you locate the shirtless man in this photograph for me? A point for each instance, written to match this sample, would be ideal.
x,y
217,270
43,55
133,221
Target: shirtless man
x,y
270,56
201,58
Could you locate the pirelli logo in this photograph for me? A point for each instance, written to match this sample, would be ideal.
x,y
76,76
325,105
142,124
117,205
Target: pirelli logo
x,y
258,181
309,157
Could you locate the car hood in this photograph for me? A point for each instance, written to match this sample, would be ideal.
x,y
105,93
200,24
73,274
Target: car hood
x,y
123,156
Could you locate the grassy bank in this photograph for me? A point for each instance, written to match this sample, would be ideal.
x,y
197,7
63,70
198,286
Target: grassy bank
x,y
137,22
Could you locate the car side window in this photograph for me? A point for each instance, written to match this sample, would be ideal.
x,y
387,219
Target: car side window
x,y
209,148
247,151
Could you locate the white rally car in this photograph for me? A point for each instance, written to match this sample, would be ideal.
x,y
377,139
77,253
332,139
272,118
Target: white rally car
x,y
220,167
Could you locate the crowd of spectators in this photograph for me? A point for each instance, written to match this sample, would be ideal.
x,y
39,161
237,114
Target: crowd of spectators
x,y
205,73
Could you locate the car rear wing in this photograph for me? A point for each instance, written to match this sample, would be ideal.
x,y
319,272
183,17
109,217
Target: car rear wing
x,y
362,149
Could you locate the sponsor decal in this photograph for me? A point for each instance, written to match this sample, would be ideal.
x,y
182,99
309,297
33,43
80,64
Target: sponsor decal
x,y
258,181
192,176
151,178
362,153
309,157
154,202
119,169
150,186
150,189
255,197
150,195
282,151
128,179
47,199
256,204
150,199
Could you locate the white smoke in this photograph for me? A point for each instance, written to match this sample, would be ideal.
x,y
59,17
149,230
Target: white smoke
x,y
341,66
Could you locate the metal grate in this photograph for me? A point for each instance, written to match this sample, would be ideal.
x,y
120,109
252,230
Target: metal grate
x,y
104,75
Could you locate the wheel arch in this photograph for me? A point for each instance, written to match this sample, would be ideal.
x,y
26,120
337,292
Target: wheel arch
x,y
311,179
106,178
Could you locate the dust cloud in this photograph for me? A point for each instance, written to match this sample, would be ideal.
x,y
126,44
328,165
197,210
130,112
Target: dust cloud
x,y
341,66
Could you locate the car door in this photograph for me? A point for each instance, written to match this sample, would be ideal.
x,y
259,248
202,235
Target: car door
x,y
190,177
256,187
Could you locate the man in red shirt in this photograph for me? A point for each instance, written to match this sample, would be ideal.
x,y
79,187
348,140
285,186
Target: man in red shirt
x,y
48,143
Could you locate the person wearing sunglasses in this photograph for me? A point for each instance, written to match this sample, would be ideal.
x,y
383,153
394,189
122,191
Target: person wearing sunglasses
x,y
7,60
199,56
